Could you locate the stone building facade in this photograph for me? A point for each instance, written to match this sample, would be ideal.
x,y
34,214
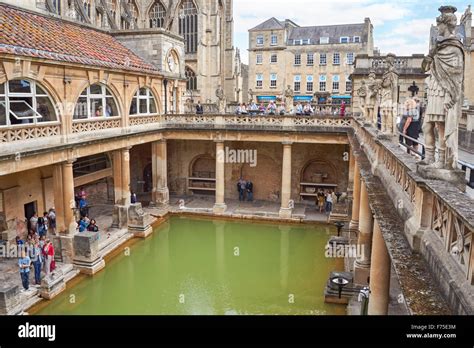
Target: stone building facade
x,y
205,25
313,62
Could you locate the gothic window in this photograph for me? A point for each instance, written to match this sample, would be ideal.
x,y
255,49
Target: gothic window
x,y
25,102
157,15
191,79
143,103
112,7
132,13
95,101
188,25
44,5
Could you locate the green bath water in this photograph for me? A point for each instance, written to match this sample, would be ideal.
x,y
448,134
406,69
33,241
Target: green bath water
x,y
193,266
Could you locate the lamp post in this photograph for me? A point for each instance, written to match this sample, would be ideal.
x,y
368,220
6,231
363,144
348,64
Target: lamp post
x,y
341,282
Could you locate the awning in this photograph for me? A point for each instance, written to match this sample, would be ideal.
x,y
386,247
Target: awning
x,y
341,97
266,98
303,97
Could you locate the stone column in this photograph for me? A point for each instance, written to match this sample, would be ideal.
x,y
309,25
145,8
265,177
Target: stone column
x,y
121,168
286,208
379,275
366,221
59,205
220,206
160,192
354,224
68,197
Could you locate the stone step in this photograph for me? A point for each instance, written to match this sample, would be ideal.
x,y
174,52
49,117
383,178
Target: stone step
x,y
115,243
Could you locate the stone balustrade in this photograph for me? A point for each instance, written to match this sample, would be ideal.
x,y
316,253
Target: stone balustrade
x,y
438,217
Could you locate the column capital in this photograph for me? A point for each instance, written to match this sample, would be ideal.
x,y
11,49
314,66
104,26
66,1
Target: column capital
x,y
70,161
219,141
287,143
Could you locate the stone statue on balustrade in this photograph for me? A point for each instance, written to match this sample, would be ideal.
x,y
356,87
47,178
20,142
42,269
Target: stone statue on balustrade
x,y
446,65
289,95
389,97
373,87
362,94
221,100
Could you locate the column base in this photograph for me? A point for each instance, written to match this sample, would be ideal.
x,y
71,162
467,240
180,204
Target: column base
x,y
219,208
285,213
90,268
361,274
161,198
120,217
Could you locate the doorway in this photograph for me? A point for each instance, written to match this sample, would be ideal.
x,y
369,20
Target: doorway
x,y
30,210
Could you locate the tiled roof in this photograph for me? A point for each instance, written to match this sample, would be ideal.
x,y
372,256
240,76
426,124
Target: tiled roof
x,y
34,35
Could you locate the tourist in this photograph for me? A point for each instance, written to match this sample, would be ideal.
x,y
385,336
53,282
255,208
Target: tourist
x,y
253,109
411,128
329,202
249,188
40,227
49,257
321,200
299,109
241,186
34,221
19,241
199,109
82,193
24,262
83,224
45,222
238,109
261,109
243,109
271,109
342,112
83,206
93,227
52,219
98,112
308,110
133,198
37,261
282,109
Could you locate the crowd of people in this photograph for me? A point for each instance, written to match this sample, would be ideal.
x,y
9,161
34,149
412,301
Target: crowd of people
x,y
245,190
85,224
325,200
37,250
298,109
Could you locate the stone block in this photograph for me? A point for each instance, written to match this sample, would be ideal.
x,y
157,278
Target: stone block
x,y
120,217
86,246
139,222
8,297
52,285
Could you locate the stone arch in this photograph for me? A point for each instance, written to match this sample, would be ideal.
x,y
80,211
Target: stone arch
x,y
202,166
319,166
152,91
266,178
118,96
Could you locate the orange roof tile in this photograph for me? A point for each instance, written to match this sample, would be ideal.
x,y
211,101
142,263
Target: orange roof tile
x,y
27,34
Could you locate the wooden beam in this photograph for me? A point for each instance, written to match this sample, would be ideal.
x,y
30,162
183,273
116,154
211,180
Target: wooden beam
x,y
88,178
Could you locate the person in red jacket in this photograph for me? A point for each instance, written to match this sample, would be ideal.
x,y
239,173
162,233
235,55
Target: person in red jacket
x,y
49,253
343,109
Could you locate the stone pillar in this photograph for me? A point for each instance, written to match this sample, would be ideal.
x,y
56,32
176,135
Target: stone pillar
x,y
366,221
68,197
379,275
121,170
59,205
354,224
220,206
160,192
286,208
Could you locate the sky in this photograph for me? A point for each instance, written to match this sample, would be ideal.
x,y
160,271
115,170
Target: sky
x,y
400,26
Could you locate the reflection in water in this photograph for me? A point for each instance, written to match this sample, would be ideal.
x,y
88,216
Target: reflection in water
x,y
188,266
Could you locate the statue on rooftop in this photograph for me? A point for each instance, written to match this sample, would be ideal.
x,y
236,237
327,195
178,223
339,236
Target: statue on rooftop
x,y
445,63
389,97
362,94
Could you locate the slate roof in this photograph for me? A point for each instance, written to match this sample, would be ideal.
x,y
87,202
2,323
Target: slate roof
x,y
333,32
270,24
34,35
